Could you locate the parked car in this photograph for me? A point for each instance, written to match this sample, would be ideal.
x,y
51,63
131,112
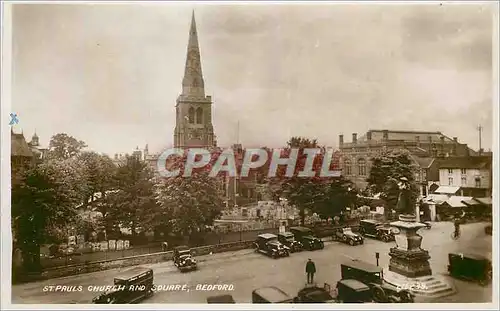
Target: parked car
x,y
346,235
288,239
270,294
268,244
470,267
221,299
315,294
376,229
306,237
133,286
371,275
183,259
353,291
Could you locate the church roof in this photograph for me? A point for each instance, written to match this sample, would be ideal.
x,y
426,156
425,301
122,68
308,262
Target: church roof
x,y
18,146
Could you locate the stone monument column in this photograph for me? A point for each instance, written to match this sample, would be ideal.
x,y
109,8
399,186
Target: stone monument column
x,y
409,267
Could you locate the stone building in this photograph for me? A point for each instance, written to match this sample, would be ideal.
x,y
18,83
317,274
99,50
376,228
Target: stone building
x,y
21,155
423,146
466,176
193,126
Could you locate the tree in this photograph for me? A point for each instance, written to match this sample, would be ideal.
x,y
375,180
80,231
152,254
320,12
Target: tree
x,y
133,204
99,174
306,193
62,146
43,199
190,203
385,176
339,193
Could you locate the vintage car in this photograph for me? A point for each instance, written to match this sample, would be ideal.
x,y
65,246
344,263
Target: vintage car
x,y
288,239
346,235
270,294
268,244
132,286
183,259
470,267
371,275
221,299
315,294
306,237
375,229
353,291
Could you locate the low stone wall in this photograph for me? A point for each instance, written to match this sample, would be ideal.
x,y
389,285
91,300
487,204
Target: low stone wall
x,y
134,260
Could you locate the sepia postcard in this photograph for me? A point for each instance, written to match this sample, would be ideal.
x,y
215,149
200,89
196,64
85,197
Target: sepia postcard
x,y
185,154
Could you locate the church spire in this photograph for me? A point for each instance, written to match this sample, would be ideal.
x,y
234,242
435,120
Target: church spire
x,y
193,84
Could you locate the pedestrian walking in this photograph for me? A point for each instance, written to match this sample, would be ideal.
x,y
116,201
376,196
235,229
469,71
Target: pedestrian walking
x,y
164,246
310,270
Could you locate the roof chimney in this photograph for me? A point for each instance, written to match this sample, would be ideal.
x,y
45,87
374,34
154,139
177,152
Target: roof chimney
x,y
442,139
455,139
341,140
354,138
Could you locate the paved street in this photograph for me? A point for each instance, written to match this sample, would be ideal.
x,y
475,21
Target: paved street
x,y
246,270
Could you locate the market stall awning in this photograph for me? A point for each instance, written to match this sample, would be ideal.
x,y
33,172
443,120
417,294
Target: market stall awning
x,y
437,198
471,202
485,201
447,189
456,201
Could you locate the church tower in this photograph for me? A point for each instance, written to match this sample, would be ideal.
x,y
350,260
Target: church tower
x,y
193,127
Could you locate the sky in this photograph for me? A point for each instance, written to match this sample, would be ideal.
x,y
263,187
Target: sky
x,y
110,74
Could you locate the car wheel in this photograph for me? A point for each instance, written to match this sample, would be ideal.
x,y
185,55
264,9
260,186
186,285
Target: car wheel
x,y
344,238
379,294
351,242
385,238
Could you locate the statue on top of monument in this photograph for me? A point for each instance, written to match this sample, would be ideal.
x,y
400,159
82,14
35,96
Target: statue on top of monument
x,y
404,205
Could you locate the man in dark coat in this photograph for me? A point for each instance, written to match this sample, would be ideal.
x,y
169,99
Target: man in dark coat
x,y
310,270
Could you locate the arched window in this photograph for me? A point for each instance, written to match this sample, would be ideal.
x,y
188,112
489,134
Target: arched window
x,y
199,115
347,167
362,167
191,115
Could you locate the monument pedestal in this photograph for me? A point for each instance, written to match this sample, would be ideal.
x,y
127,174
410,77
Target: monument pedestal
x,y
409,267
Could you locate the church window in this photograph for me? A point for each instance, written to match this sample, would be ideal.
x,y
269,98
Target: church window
x,y
191,115
362,167
199,115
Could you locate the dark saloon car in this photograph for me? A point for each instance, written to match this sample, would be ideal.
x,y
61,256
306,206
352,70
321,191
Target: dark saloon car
x,y
268,244
221,299
346,235
288,239
306,237
131,286
353,291
376,229
371,275
315,294
183,259
270,294
470,267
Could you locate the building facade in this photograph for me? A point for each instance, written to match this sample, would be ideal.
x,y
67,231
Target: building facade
x,y
468,176
21,156
194,128
423,146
